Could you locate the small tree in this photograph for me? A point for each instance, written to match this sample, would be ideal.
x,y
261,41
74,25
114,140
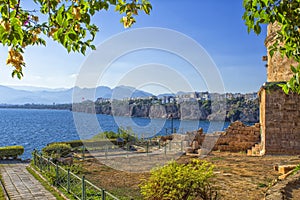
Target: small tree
x,y
68,22
181,181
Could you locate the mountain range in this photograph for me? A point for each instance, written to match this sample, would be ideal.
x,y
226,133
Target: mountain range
x,y
29,95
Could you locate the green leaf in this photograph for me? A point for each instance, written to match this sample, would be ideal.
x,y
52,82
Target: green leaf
x,y
59,16
294,70
257,29
83,49
285,88
93,47
72,36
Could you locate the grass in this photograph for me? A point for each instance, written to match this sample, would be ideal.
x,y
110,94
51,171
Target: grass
x,y
262,185
124,193
45,184
217,158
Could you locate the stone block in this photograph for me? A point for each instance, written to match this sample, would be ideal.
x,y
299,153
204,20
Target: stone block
x,y
249,152
283,169
189,150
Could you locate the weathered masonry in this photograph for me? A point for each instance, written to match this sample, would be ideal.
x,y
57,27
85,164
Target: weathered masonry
x,y
279,113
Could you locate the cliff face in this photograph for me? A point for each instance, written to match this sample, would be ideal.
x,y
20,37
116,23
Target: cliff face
x,y
193,111
139,110
231,110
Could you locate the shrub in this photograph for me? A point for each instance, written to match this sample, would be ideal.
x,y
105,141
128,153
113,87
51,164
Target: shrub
x,y
56,150
106,134
75,143
180,182
11,151
297,169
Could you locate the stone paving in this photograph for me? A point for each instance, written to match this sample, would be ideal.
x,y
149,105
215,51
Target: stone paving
x,y
20,184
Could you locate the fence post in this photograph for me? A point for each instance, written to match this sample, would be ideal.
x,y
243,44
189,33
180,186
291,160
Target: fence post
x,y
56,174
103,194
127,147
48,164
170,145
83,188
181,146
83,150
34,157
40,162
106,150
68,181
165,148
147,147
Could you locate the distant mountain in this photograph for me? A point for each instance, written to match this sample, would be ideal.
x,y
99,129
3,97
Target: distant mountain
x,y
34,88
49,96
119,92
15,96
165,95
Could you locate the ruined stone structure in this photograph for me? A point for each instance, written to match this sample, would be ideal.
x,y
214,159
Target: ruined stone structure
x,y
236,138
278,68
279,113
280,121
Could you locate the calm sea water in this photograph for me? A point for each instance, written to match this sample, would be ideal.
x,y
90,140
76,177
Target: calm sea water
x,y
34,129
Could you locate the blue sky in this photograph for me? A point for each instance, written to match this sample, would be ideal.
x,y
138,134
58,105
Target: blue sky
x,y
216,25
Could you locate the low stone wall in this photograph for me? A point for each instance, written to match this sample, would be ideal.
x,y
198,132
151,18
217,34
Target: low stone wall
x,y
237,137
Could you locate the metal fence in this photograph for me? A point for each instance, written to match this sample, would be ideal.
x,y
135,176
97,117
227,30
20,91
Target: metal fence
x,y
65,180
147,147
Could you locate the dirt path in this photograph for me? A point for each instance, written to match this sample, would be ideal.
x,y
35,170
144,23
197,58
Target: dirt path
x,y
238,176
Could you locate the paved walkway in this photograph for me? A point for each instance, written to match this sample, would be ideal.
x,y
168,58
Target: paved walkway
x,y
20,184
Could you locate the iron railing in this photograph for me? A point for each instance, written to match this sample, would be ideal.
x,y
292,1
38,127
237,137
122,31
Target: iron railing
x,y
66,181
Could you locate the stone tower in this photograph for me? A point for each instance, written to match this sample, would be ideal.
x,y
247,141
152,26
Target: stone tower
x,y
278,68
279,113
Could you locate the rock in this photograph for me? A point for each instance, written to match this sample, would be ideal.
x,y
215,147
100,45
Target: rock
x,y
165,138
284,176
66,161
195,145
189,150
199,151
283,169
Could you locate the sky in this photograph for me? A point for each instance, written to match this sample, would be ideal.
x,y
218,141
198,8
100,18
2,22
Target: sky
x,y
233,56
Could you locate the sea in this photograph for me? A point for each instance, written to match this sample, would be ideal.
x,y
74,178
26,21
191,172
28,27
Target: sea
x,y
35,128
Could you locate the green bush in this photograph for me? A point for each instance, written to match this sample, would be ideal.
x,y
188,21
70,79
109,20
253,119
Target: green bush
x,y
105,134
127,134
75,143
11,151
297,169
56,150
181,182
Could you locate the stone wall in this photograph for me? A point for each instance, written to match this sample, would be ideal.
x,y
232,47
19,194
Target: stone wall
x,y
278,67
280,121
279,113
237,137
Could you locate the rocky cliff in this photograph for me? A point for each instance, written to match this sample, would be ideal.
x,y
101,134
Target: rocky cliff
x,y
230,110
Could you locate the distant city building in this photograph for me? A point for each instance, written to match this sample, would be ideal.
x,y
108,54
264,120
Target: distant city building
x,y
102,100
